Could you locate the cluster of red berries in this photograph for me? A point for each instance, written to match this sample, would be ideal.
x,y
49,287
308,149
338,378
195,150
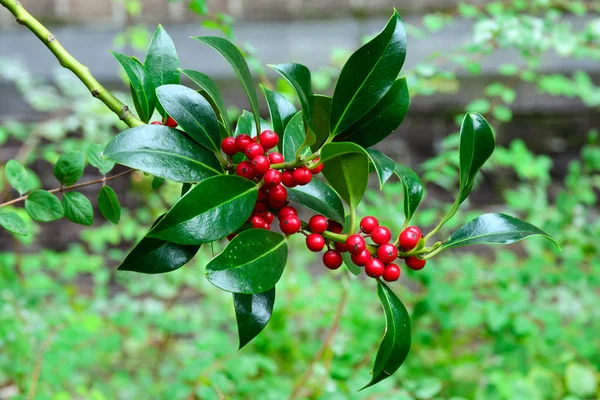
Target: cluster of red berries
x,y
170,122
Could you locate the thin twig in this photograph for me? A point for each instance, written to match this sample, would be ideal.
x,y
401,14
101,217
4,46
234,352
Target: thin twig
x,y
37,368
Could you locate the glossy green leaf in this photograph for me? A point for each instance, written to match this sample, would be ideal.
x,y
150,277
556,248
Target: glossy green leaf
x,y
43,206
280,109
109,205
236,59
245,124
13,223
78,208
368,75
379,122
396,340
141,85
299,77
293,138
413,189
162,62
252,312
320,120
211,210
209,87
17,176
93,153
163,151
346,170
193,113
320,198
384,166
69,168
493,229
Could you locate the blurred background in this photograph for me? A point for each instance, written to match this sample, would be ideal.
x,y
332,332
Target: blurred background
x,y
517,322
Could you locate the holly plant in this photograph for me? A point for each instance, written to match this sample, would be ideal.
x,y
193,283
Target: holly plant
x,y
244,186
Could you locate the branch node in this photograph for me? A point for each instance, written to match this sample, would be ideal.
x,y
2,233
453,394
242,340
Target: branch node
x,y
20,21
51,38
95,93
124,113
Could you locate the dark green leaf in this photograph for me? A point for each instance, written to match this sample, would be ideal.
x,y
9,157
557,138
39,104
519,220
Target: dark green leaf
x,y
78,208
163,151
253,312
43,206
413,189
293,138
162,62
93,153
280,109
320,198
245,124
109,205
368,75
69,168
395,344
157,182
384,166
212,91
17,176
13,223
211,210
193,114
252,263
299,77
493,229
320,120
347,170
141,84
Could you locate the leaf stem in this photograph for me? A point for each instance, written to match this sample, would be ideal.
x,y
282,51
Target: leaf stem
x,y
69,62
446,218
296,163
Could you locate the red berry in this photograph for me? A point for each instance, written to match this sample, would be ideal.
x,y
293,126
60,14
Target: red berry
x,y
155,123
171,123
285,211
374,268
315,242
267,227
341,247
260,165
276,158
355,243
257,222
277,197
414,263
332,259
302,176
317,224
267,217
381,235
367,224
253,150
361,258
268,139
287,178
409,238
318,168
228,146
262,193
242,141
391,273
387,253
244,169
272,178
290,225
334,226
261,207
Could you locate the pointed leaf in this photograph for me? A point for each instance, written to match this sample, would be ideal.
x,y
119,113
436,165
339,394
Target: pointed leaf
x,y
293,138
109,205
320,120
13,223
320,198
162,62
93,153
17,176
299,77
253,312
245,124
347,170
43,206
212,91
69,168
280,109
141,85
384,166
78,208
413,189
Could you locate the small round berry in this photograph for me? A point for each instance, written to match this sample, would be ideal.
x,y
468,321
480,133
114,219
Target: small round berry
x,y
267,227
302,176
318,168
272,178
290,225
391,273
317,224
361,258
287,178
341,247
171,123
334,226
228,146
257,222
262,193
387,253
268,139
276,158
367,224
155,123
260,165
277,197
332,259
267,216
409,238
414,263
253,150
261,207
242,141
356,244
374,268
315,242
381,235
285,211
244,169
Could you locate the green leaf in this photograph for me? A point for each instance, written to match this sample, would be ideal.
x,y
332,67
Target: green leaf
x,y
384,166
236,59
347,170
381,120
17,176
78,208
320,198
280,109
253,312
93,154
157,183
141,85
413,189
164,152
298,76
252,263
13,223
493,229
109,205
211,210
162,62
502,113
69,168
368,75
43,206
245,125
581,380
395,344
212,91
293,138
193,114
320,120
